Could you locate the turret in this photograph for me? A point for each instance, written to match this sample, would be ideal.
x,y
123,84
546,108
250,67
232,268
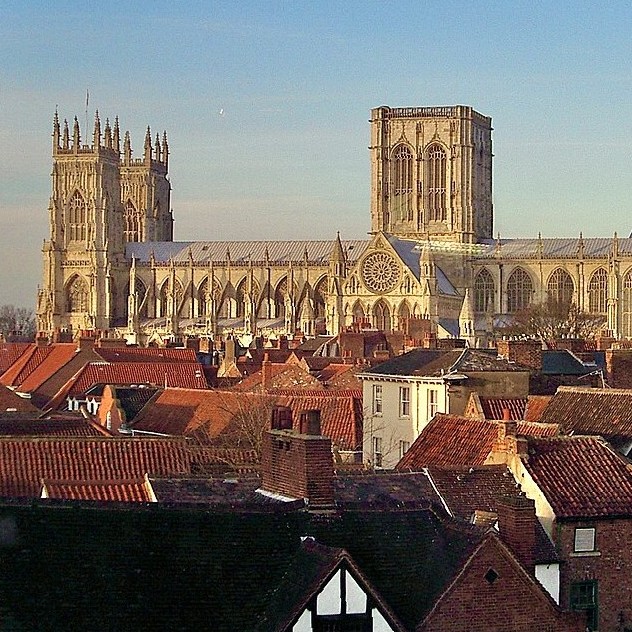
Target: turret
x,y
147,147
116,137
76,137
466,320
127,149
96,134
66,139
165,150
337,259
56,132
108,134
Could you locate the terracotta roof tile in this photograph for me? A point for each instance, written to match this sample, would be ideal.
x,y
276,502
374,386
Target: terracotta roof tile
x,y
185,412
137,490
24,462
59,354
604,412
10,352
70,426
494,407
24,365
452,441
536,404
146,354
281,376
581,477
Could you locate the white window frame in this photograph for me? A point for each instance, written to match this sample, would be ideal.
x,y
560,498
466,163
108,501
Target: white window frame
x,y
403,448
377,452
433,402
378,394
404,401
585,540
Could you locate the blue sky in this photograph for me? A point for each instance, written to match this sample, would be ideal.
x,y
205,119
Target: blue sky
x,y
295,81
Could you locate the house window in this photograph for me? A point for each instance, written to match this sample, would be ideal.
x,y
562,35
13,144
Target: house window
x,y
403,448
377,399
404,401
584,599
584,540
433,402
343,623
377,451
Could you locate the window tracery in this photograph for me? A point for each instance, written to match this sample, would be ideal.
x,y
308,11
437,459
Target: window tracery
x,y
484,292
77,216
436,179
561,287
598,292
519,291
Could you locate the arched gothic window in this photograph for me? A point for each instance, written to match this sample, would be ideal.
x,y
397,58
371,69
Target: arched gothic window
x,y
77,218
77,295
484,292
165,296
598,292
242,296
402,178
436,182
403,317
382,316
626,306
358,314
141,292
133,230
320,295
561,287
519,291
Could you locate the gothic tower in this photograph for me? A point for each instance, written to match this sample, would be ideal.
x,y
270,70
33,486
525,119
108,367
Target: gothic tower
x,y
431,173
98,203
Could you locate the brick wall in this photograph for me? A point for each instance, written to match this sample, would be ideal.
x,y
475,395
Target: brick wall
x,y
610,565
495,593
516,524
298,466
619,368
527,353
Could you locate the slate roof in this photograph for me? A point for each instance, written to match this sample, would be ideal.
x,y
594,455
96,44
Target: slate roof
x,y
133,400
436,363
563,362
452,441
11,401
137,490
179,568
604,412
581,477
25,461
243,252
556,248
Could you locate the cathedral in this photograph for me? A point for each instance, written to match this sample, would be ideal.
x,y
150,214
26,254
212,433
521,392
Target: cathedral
x,y
430,263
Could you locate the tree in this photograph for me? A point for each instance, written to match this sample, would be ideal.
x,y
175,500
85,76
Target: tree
x,y
17,322
553,320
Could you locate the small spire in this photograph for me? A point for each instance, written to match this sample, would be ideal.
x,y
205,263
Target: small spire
x,y
147,148
165,149
108,134
66,138
580,246
127,149
266,255
56,131
76,136
116,138
157,147
96,135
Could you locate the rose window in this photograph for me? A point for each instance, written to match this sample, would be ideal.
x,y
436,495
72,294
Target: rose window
x,y
380,272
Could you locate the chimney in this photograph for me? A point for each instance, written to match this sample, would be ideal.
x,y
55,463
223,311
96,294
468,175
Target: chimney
x,y
266,372
298,465
229,351
281,418
517,527
508,444
619,368
526,353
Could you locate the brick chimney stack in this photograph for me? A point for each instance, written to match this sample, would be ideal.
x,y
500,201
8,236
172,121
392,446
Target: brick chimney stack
x,y
619,368
517,525
526,353
266,372
298,464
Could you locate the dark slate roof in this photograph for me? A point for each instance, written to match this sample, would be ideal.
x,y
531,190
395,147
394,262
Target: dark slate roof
x,y
436,363
133,400
563,362
154,567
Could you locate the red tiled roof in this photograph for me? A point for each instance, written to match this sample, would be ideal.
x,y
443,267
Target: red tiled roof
x,y
281,376
185,411
10,352
341,376
453,441
494,407
59,354
536,404
137,490
70,426
146,354
188,375
581,477
10,401
24,365
24,462
591,411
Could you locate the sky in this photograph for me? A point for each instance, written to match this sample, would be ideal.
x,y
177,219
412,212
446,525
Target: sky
x,y
266,107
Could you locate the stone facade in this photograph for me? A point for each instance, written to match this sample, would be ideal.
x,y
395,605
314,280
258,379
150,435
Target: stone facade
x,y
111,262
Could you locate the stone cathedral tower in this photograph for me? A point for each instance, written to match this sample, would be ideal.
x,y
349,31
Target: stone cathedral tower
x,y
431,173
101,199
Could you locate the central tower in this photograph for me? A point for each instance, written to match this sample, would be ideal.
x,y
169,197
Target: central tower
x,y
431,173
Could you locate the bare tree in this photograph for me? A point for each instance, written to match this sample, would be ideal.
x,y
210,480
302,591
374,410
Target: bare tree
x,y
553,320
17,322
